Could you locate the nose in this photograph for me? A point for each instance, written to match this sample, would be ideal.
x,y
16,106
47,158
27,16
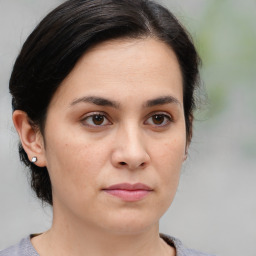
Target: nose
x,y
130,150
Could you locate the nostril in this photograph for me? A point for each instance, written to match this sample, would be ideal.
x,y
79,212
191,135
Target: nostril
x,y
122,163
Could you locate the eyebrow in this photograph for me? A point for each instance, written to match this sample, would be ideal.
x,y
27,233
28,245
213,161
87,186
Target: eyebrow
x,y
109,103
161,101
97,101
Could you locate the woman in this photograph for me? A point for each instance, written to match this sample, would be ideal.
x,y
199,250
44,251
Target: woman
x,y
103,100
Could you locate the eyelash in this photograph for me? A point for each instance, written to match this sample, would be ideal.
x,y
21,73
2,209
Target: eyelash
x,y
95,114
167,119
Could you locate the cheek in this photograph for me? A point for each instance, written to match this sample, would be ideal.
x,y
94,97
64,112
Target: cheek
x,y
168,159
167,163
73,163
170,152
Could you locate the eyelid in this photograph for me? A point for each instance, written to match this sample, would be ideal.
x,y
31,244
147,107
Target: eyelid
x,y
106,116
91,114
165,114
160,113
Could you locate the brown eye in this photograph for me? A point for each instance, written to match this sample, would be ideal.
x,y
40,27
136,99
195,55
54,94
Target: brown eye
x,y
95,120
159,120
98,119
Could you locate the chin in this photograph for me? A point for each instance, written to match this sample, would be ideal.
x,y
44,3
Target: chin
x,y
130,223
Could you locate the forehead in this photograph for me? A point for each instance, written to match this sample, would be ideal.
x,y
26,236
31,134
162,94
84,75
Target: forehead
x,y
137,56
125,66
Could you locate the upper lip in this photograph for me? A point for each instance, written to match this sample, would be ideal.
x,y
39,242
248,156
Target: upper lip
x,y
128,186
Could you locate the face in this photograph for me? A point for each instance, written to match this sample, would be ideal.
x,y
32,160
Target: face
x,y
115,136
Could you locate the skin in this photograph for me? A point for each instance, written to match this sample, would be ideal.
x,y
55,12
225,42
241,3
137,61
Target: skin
x,y
127,143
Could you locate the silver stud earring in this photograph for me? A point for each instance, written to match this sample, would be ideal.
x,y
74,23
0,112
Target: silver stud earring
x,y
34,159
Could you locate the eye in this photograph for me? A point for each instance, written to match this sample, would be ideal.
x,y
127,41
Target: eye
x,y
159,119
96,119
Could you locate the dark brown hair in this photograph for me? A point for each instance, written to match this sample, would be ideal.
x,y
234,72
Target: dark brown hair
x,y
65,34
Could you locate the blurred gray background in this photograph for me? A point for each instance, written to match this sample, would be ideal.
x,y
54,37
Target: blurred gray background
x,y
215,206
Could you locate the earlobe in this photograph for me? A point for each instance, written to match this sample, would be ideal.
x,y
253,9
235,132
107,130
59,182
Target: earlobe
x,y
30,137
189,136
185,153
185,156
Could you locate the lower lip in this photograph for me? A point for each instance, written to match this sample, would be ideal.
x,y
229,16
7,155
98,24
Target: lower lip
x,y
129,195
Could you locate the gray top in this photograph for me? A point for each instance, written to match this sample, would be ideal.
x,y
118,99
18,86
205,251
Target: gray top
x,y
25,248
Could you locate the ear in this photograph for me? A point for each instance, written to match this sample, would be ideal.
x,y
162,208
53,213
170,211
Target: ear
x,y
30,137
189,136
185,156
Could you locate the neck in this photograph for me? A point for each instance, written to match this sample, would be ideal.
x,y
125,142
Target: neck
x,y
74,238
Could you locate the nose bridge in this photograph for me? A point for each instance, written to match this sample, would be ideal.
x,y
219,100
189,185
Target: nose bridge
x,y
131,149
133,138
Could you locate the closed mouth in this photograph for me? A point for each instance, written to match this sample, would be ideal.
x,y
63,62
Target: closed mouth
x,y
129,192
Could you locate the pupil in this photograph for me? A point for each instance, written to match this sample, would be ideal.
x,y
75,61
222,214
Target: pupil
x,y
98,119
158,119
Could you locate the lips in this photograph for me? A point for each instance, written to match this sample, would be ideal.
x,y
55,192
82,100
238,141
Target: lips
x,y
129,192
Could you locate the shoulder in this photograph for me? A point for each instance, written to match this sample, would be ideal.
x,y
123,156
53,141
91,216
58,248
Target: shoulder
x,y
181,250
23,248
